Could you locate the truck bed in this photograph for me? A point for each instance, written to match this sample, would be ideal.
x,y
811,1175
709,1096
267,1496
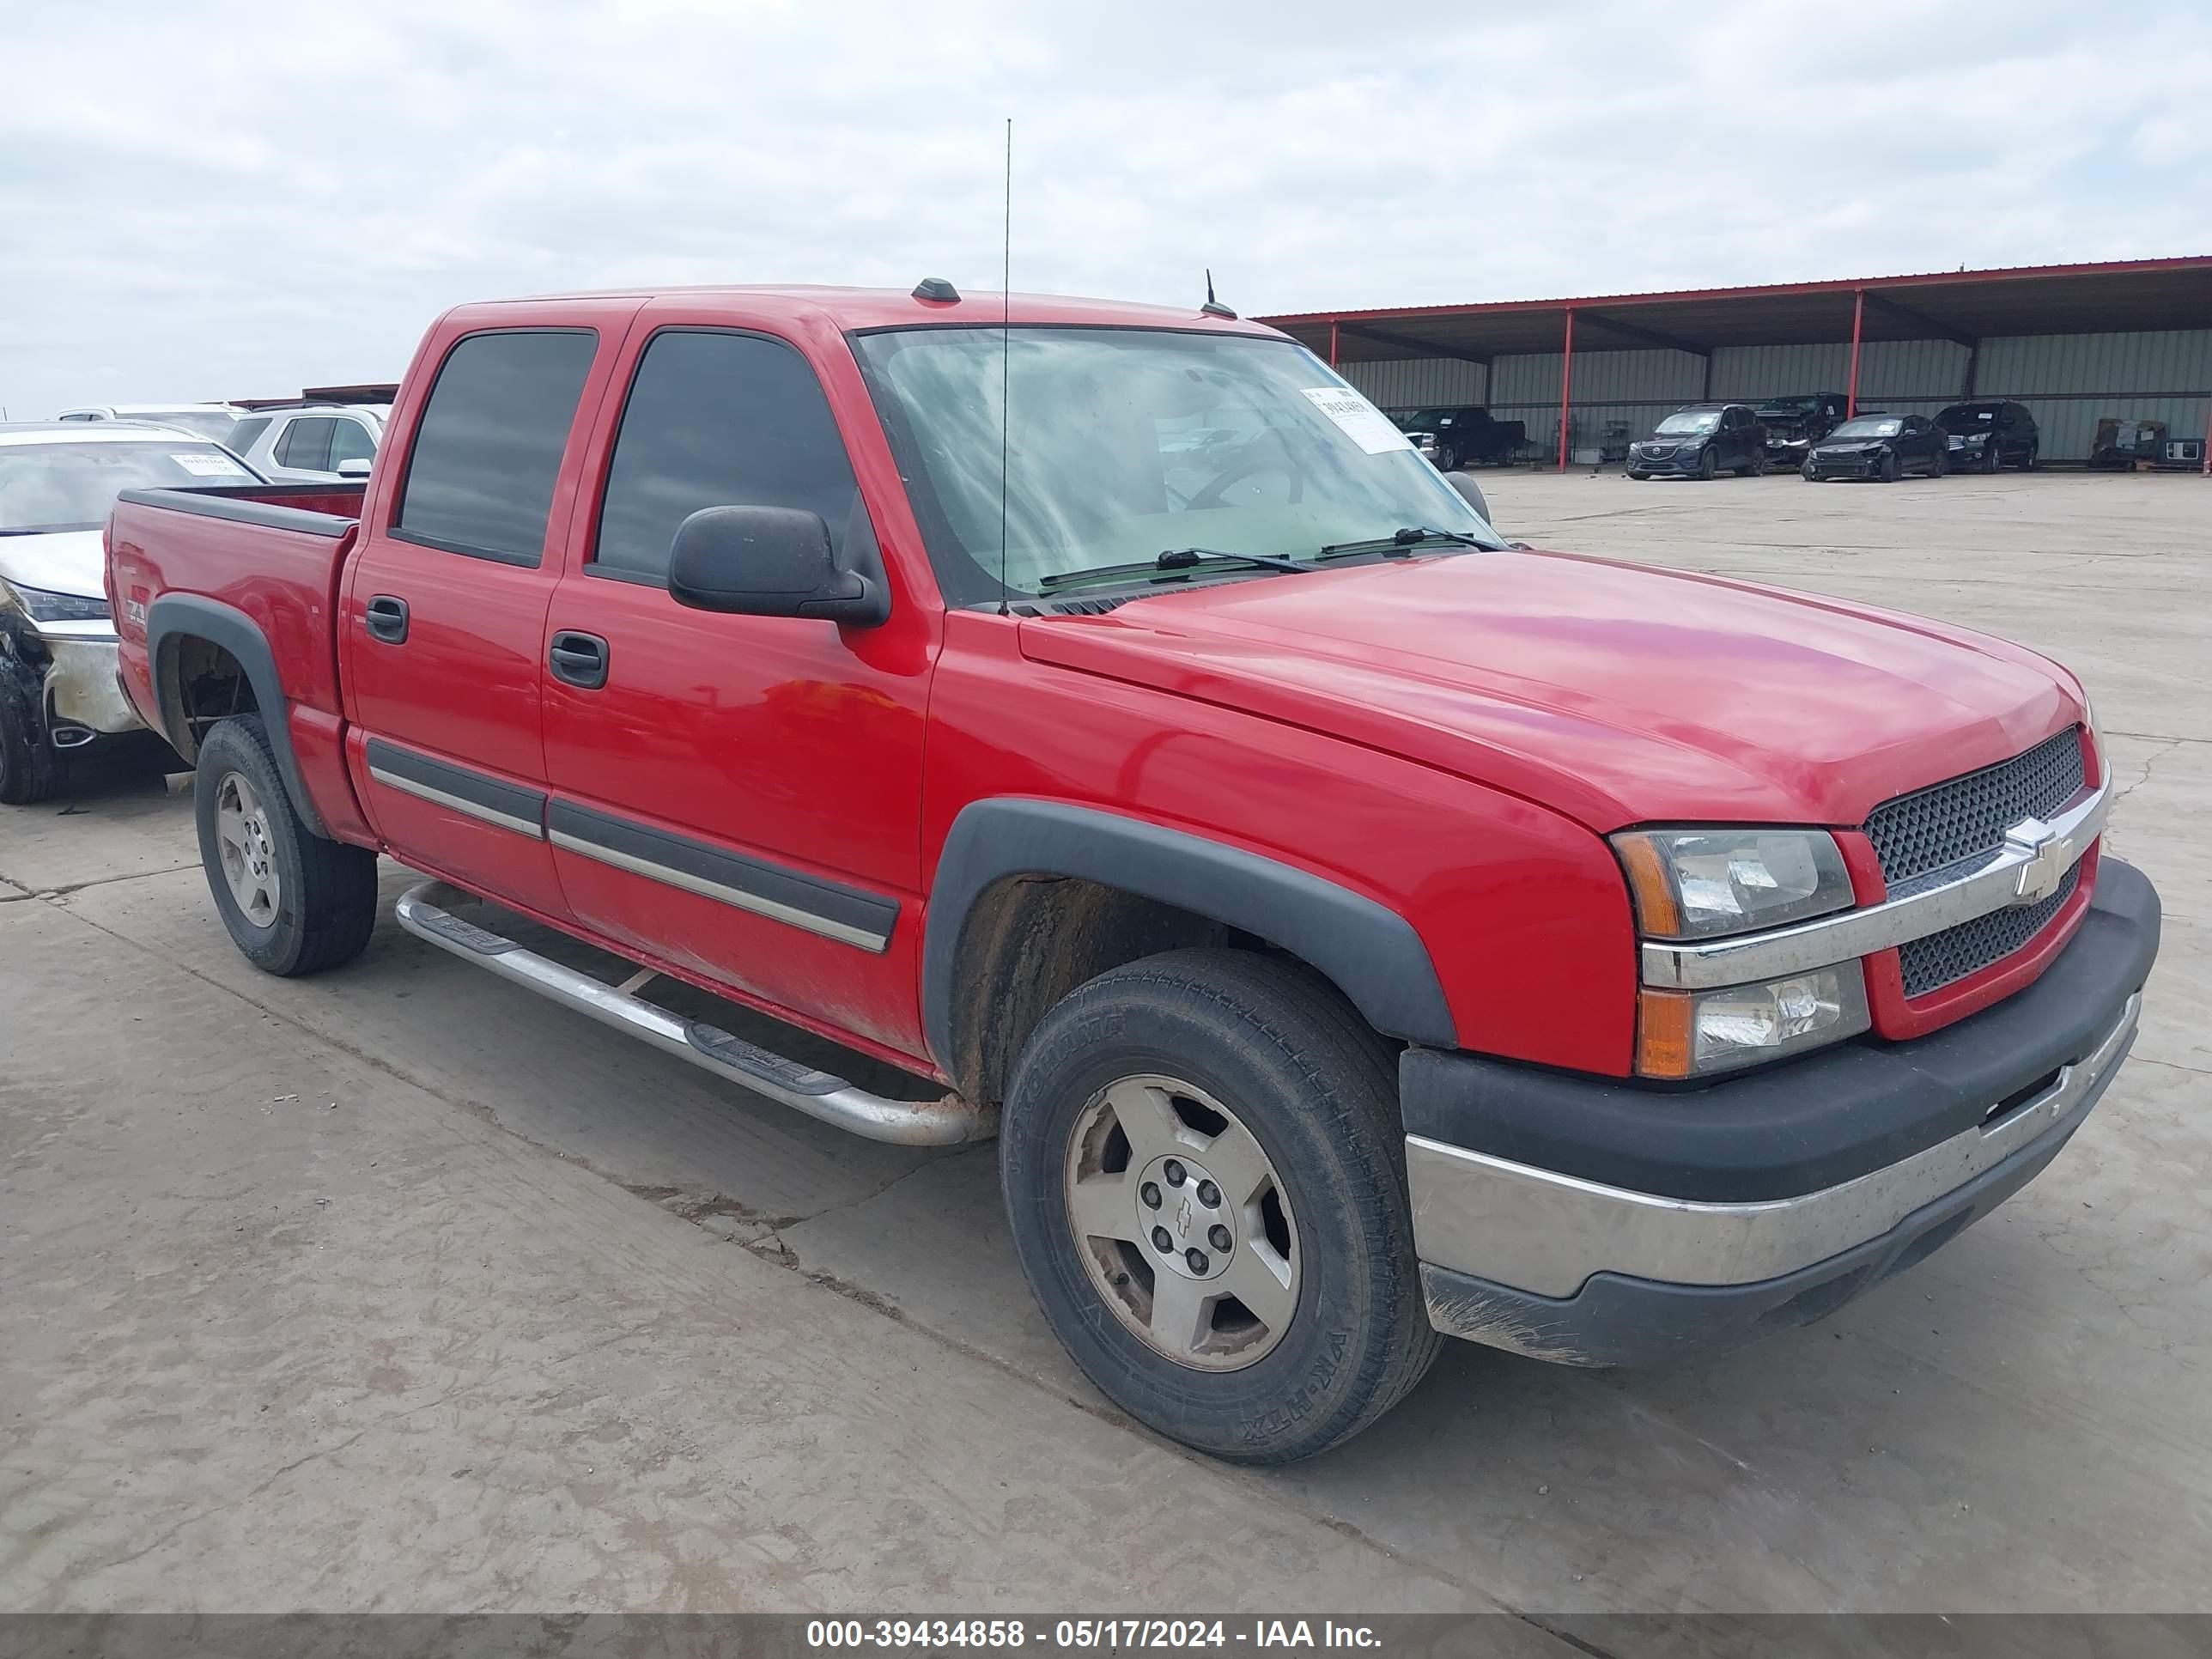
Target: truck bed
x,y
273,551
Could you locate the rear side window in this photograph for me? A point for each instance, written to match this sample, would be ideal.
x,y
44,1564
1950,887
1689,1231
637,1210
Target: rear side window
x,y
305,443
243,435
349,441
719,420
488,449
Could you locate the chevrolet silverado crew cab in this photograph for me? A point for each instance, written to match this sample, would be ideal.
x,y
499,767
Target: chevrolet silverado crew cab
x,y
1354,929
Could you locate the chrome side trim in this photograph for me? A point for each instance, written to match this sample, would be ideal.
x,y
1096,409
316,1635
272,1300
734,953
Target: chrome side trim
x,y
455,803
945,1121
1545,1233
736,897
2029,865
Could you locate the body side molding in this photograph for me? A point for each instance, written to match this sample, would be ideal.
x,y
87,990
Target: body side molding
x,y
1371,953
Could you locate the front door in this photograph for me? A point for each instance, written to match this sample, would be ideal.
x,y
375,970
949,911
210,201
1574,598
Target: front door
x,y
440,632
737,796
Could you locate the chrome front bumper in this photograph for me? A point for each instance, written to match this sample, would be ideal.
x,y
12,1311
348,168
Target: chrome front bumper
x,y
1547,1234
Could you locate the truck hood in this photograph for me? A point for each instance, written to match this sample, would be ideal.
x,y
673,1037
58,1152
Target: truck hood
x,y
1618,694
63,562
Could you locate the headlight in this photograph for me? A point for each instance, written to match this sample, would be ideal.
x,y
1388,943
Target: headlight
x,y
1701,884
41,606
1683,1033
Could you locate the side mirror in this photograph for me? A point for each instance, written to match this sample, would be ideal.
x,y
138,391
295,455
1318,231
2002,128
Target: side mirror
x,y
1471,492
769,562
355,468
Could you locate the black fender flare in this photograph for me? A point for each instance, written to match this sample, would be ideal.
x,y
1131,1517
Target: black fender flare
x,y
1369,951
175,617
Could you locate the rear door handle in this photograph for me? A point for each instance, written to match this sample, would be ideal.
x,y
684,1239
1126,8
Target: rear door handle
x,y
386,617
580,659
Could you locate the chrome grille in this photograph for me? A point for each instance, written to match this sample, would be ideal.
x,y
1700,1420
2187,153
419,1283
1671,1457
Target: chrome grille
x,y
1938,960
1947,822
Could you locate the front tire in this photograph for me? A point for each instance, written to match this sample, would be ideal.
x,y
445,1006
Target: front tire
x,y
1235,1107
1447,458
1892,469
294,902
1638,476
1707,466
2028,458
30,770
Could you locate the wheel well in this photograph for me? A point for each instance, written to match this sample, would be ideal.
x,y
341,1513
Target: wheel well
x,y
200,684
1030,939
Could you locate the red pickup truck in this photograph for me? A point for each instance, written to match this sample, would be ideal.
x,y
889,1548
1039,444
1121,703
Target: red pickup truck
x,y
1355,927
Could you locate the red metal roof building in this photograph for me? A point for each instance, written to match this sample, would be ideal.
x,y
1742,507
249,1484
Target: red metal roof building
x,y
2130,338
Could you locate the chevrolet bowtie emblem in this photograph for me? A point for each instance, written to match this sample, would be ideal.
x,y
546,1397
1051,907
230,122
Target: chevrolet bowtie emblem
x,y
2048,860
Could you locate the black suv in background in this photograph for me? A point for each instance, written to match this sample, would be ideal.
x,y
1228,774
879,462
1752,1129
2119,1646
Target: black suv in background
x,y
1700,440
1453,437
1878,445
1794,424
1985,436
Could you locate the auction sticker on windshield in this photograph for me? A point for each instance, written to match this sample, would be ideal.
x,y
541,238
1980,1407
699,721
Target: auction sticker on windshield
x,y
1357,419
207,466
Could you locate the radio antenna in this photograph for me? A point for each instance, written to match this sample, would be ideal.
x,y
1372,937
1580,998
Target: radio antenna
x,y
1005,351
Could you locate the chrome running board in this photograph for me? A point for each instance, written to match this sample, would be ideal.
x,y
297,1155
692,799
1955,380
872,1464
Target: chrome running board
x,y
947,1120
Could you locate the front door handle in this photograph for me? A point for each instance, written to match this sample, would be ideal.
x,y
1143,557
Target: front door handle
x,y
580,659
386,617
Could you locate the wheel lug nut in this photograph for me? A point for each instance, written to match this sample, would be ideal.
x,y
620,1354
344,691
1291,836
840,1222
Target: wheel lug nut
x,y
1150,1192
1208,1194
1175,1172
1197,1259
1218,1237
1161,1241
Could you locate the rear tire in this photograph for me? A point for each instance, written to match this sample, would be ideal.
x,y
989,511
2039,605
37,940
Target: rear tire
x,y
294,902
30,770
1940,464
1222,1073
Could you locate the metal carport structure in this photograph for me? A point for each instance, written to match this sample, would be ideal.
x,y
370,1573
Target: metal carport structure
x,y
1964,311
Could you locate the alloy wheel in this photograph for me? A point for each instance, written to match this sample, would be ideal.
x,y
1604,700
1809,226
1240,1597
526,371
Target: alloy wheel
x,y
249,854
1182,1223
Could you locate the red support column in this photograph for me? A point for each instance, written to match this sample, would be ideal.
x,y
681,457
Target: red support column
x,y
1331,343
1566,385
1858,321
2205,471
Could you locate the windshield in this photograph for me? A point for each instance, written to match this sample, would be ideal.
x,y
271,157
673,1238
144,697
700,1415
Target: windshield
x,y
1126,443
1870,426
1689,420
1964,415
1429,420
1790,406
70,486
213,424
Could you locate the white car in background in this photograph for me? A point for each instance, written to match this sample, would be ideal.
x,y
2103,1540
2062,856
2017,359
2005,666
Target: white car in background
x,y
211,421
59,692
311,444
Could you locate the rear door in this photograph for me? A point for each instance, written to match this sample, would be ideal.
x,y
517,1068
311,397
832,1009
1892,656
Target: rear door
x,y
738,796
443,618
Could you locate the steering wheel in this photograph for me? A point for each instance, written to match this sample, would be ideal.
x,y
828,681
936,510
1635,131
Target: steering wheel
x,y
1211,495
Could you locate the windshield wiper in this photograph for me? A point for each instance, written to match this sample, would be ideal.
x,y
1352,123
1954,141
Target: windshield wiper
x,y
1175,559
1399,543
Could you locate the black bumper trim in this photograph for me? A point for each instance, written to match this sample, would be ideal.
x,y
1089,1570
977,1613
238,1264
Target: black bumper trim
x,y
1615,1320
1809,1123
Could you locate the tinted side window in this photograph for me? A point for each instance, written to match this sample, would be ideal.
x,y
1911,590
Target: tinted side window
x,y
719,420
305,443
349,441
489,446
243,435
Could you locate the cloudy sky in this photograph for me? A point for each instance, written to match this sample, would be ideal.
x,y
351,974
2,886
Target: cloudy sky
x,y
214,200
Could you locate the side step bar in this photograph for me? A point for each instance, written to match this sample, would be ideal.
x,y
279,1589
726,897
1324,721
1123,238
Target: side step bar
x,y
945,1122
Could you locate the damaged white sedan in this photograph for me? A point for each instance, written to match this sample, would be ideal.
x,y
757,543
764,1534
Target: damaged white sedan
x,y
59,693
